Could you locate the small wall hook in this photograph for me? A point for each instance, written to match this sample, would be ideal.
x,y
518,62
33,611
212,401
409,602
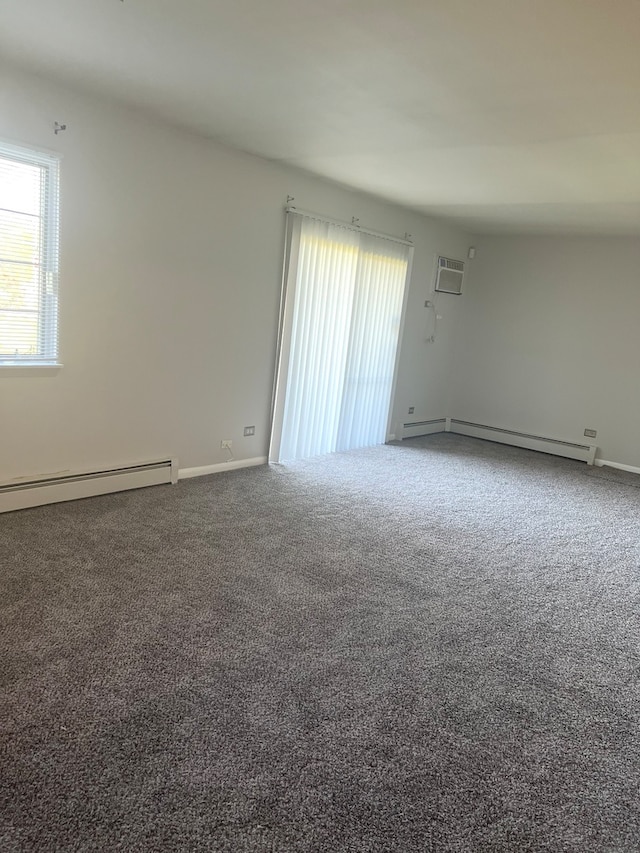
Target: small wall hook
x,y
57,127
355,220
290,198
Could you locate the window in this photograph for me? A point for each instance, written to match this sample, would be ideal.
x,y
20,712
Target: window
x,y
28,257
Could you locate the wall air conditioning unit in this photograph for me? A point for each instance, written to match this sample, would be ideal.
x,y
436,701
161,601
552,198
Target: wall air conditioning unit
x,y
449,276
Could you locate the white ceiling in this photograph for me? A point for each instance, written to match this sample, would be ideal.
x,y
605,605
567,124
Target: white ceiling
x,y
506,115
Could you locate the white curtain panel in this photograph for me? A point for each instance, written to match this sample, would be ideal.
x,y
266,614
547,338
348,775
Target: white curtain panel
x,y
342,316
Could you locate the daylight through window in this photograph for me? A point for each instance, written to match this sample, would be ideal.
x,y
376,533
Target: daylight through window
x,y
28,257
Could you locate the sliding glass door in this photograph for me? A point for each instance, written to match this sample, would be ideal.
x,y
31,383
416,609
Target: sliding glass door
x,y
341,318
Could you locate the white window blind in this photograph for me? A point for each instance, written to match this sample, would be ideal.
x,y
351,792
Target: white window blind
x,y
28,257
341,325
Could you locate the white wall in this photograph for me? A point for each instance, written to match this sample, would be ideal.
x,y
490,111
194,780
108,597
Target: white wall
x,y
171,254
548,342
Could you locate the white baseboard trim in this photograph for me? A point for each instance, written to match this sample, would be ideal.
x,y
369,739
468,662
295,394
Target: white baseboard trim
x,y
414,429
218,468
605,463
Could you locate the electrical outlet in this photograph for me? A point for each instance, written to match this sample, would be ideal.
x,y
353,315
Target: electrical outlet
x,y
250,430
226,444
591,433
412,409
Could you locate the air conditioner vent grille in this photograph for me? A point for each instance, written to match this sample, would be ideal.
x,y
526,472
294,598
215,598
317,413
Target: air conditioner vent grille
x,y
450,264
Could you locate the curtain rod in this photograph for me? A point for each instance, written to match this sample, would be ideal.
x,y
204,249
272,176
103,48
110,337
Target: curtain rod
x,y
351,225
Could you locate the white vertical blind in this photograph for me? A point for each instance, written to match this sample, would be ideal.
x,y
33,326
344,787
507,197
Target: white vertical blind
x,y
28,256
343,311
375,328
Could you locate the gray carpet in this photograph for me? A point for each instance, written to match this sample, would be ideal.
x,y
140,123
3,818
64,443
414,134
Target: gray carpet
x,y
425,647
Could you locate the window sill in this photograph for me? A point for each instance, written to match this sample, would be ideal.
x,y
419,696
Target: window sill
x,y
16,367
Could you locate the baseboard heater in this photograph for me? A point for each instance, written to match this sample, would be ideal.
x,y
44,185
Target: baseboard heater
x,y
414,429
583,452
69,486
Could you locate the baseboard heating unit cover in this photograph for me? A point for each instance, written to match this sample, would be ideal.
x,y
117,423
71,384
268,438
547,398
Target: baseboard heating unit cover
x,y
68,486
583,452
414,429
